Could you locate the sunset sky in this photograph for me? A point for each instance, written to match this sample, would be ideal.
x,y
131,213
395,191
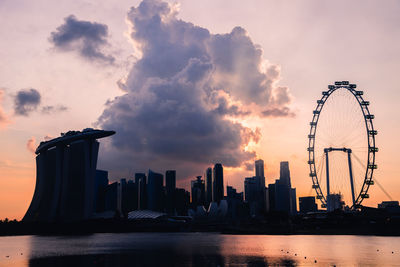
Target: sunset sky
x,y
186,84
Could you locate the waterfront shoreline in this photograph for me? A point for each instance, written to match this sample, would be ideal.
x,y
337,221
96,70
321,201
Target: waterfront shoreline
x,y
93,227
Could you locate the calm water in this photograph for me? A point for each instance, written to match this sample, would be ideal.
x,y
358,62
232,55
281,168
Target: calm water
x,y
198,249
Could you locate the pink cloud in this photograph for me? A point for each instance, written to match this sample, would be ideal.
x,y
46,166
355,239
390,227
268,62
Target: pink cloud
x,y
31,144
4,120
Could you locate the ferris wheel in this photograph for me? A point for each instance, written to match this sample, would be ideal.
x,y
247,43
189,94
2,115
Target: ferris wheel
x,y
341,146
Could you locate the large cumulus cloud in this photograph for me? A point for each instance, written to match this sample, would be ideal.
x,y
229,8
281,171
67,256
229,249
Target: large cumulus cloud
x,y
186,95
85,37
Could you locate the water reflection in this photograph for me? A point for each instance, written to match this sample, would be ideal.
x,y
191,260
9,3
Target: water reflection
x,y
151,249
198,249
157,259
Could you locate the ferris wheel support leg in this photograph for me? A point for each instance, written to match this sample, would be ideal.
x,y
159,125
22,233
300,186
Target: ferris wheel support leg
x,y
351,177
328,207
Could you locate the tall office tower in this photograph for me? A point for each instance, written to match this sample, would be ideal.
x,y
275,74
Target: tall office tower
x,y
235,203
141,185
65,177
170,186
272,197
155,191
254,195
209,186
250,189
132,197
282,197
182,201
293,201
285,173
260,171
218,182
198,192
124,196
100,184
113,197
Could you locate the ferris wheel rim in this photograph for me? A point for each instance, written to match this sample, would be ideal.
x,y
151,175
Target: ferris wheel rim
x,y
371,133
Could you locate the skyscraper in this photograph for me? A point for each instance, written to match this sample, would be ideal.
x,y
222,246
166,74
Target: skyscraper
x,y
182,201
141,184
285,173
132,193
100,184
218,182
259,164
170,186
255,191
155,191
170,180
250,189
124,196
281,196
259,167
65,177
198,192
209,186
113,197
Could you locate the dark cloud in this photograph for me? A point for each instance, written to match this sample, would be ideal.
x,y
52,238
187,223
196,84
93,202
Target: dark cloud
x,y
278,112
182,94
224,108
53,109
85,37
26,101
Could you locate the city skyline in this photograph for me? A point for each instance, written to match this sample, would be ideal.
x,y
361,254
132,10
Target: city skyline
x,y
49,85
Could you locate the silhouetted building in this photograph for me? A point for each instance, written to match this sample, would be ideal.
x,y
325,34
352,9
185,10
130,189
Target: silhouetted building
x,y
282,197
170,180
113,197
155,191
259,166
128,196
293,204
182,201
307,204
124,196
236,208
335,202
272,197
253,196
132,198
388,204
218,182
141,184
100,184
209,186
170,187
198,192
255,191
65,177
250,189
285,173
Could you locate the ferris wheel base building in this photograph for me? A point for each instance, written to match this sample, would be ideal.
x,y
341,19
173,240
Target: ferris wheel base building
x,y
65,173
